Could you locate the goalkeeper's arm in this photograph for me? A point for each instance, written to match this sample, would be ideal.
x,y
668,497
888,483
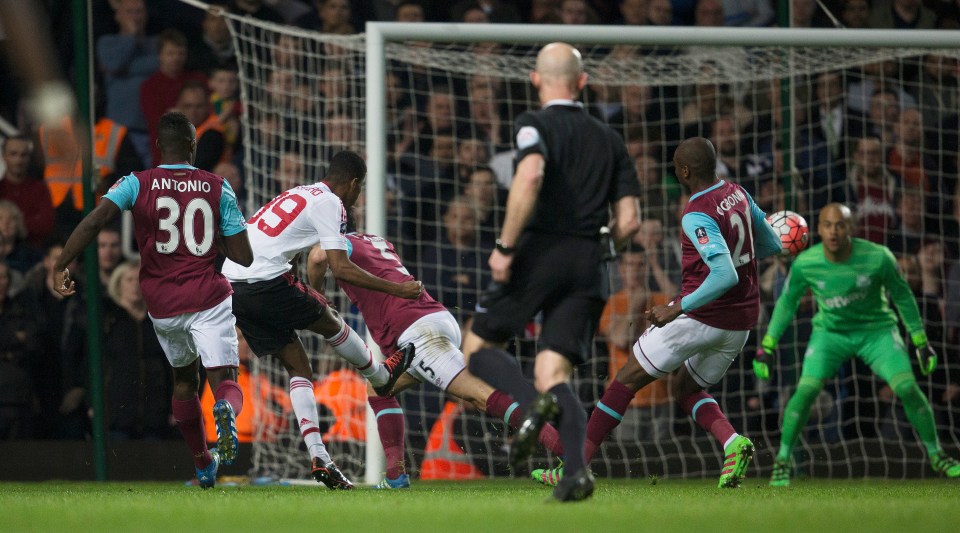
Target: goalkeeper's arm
x,y
906,305
787,304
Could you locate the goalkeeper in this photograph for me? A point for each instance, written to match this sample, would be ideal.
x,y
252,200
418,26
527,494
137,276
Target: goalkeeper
x,y
848,278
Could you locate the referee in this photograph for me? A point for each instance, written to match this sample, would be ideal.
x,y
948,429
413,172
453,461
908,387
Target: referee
x,y
571,169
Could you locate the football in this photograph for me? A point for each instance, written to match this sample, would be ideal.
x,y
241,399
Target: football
x,y
793,231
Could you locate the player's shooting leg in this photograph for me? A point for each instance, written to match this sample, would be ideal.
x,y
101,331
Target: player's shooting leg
x,y
349,346
616,399
472,389
293,356
701,406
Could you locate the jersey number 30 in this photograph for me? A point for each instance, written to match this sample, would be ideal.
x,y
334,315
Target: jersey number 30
x,y
169,223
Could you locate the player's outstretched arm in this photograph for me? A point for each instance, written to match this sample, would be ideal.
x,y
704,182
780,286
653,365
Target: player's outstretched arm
x,y
83,235
345,270
909,312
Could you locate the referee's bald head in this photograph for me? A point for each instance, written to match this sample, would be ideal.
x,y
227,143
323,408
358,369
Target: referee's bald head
x,y
560,66
700,158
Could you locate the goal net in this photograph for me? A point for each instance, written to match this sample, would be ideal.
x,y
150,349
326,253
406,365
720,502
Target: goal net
x,y
787,122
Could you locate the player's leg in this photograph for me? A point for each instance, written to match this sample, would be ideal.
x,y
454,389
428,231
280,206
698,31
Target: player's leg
x,y
390,427
178,346
293,356
213,332
886,354
823,357
349,346
700,373
657,353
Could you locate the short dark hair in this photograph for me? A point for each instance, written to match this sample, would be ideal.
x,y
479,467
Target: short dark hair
x,y
174,132
346,166
193,85
171,36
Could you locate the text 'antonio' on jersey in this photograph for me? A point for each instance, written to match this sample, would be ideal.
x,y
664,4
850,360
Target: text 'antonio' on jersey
x,y
386,316
177,212
293,222
730,209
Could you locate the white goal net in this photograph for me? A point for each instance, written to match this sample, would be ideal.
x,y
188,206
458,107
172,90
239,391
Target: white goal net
x,y
787,122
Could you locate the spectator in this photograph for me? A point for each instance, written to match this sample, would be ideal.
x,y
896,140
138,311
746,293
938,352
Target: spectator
x,y
708,13
873,191
493,11
159,92
257,10
485,113
830,114
137,384
30,193
59,374
454,270
215,47
877,76
855,14
409,11
938,97
126,59
633,12
328,16
659,12
752,13
907,160
473,14
802,13
908,236
952,299
18,337
622,322
109,255
211,142
662,268
489,200
224,88
14,251
577,12
902,15
882,116
544,12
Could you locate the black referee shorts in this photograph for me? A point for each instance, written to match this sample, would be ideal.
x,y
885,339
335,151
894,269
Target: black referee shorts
x,y
559,275
269,312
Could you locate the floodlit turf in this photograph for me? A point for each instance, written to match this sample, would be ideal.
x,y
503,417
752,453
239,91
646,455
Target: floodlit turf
x,y
502,505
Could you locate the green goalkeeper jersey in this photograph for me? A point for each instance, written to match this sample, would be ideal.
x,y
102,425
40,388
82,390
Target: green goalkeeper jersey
x,y
851,296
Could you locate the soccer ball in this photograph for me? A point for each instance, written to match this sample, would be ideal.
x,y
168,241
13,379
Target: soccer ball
x,y
793,231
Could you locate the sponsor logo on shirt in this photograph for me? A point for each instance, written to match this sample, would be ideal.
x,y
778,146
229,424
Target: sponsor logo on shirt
x,y
863,280
701,235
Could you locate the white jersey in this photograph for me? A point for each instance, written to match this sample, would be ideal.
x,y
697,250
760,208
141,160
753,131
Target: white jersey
x,y
291,223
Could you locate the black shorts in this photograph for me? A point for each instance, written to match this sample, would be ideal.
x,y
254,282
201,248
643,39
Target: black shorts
x,y
269,312
560,275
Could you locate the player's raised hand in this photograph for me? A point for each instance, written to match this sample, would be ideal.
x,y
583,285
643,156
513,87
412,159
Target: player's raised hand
x,y
662,315
410,290
63,284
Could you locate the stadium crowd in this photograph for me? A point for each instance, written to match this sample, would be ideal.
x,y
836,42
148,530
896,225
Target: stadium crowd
x,y
882,138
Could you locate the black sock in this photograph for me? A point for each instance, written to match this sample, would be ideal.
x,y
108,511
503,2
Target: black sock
x,y
572,427
500,369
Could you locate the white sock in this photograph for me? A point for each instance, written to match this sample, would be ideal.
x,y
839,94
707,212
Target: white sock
x,y
725,444
352,349
305,408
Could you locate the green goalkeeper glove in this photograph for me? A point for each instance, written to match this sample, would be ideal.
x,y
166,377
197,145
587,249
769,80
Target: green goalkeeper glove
x,y
924,352
761,366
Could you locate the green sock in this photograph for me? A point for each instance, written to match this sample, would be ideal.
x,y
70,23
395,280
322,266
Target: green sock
x,y
796,414
919,413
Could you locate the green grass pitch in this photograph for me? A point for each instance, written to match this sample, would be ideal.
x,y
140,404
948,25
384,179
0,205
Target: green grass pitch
x,y
495,505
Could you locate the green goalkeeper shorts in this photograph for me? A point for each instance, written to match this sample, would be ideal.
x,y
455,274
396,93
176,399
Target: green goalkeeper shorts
x,y
882,349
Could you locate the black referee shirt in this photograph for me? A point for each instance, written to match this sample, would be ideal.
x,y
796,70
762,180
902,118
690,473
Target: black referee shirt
x,y
587,168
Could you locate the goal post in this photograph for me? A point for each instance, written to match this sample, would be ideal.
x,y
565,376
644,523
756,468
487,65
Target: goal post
x,y
421,101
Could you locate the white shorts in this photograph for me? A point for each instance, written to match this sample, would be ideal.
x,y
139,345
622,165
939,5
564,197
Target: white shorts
x,y
437,358
706,350
209,334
